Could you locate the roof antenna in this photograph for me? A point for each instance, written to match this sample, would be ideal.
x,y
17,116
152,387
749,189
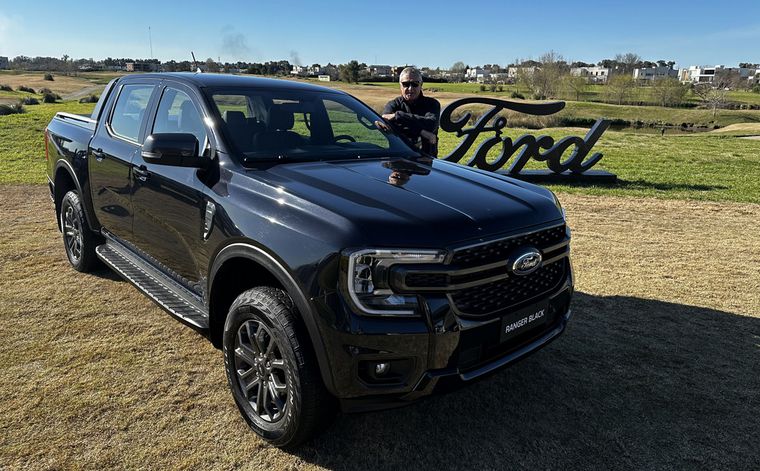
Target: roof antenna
x,y
195,64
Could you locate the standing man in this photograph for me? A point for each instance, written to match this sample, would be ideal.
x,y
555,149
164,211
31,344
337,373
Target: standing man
x,y
414,115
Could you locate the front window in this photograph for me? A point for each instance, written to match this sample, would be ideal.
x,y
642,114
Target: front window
x,y
177,113
302,125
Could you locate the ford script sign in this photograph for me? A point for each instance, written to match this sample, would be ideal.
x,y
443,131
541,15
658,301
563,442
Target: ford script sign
x,y
516,153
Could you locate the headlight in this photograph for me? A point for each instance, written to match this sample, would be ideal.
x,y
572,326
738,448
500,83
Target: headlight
x,y
367,280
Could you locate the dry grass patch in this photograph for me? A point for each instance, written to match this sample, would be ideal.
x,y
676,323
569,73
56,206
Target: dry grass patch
x,y
660,367
61,84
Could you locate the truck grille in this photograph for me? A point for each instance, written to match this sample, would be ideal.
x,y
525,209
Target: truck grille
x,y
490,298
498,250
479,282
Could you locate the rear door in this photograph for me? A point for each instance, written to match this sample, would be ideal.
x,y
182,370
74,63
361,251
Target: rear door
x,y
117,140
169,203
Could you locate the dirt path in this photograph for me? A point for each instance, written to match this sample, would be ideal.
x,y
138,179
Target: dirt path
x,y
660,367
87,91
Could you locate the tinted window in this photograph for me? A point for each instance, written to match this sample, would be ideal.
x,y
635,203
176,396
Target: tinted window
x,y
129,110
177,113
291,124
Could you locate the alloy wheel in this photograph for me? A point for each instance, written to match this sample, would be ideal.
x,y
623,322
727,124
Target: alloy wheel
x,y
261,370
72,233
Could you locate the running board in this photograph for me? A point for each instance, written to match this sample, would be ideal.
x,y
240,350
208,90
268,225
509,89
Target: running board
x,y
167,293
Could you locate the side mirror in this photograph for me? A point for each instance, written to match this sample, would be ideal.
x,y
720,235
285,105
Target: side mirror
x,y
175,149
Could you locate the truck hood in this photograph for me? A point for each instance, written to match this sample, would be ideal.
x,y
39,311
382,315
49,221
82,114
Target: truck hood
x,y
404,203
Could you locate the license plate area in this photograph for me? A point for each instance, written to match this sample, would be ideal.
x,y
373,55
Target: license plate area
x,y
525,319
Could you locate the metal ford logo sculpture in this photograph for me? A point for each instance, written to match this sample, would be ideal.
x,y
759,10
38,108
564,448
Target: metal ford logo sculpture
x,y
542,148
527,263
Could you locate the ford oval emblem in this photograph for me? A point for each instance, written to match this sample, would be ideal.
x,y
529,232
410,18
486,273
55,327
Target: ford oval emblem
x,y
527,262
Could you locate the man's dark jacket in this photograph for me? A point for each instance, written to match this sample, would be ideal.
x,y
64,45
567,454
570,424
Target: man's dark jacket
x,y
412,118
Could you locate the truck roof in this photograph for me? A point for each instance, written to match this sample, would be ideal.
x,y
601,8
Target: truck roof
x,y
228,80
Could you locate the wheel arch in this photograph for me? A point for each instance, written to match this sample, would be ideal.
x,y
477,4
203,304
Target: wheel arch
x,y
64,180
261,269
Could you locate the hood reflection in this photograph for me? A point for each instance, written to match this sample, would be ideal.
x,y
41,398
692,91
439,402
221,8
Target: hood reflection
x,y
402,170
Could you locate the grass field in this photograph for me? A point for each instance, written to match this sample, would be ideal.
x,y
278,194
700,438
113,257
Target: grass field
x,y
594,93
659,368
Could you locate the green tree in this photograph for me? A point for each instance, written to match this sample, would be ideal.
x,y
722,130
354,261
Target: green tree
x,y
713,95
349,72
576,86
668,91
620,89
211,66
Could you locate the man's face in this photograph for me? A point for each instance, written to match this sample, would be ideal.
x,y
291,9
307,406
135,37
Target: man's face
x,y
410,87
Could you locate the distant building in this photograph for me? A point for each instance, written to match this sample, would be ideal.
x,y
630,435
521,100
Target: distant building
x,y
476,74
652,73
514,72
754,79
380,70
141,67
500,77
702,74
4,63
593,74
307,71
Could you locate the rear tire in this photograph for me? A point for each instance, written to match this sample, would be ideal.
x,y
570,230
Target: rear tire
x,y
271,370
78,240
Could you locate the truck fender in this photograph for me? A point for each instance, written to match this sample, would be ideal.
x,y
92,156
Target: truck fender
x,y
85,199
278,270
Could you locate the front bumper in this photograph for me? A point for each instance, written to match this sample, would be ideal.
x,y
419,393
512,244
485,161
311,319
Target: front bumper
x,y
429,351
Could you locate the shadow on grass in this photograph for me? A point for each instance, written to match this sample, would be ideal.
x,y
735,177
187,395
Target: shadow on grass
x,y
633,383
646,185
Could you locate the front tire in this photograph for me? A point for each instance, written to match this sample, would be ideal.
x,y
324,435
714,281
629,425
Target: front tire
x,y
271,371
78,240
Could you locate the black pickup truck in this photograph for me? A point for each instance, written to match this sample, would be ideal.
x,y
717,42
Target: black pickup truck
x,y
331,261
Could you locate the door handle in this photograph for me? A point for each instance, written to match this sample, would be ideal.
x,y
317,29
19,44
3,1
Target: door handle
x,y
98,154
141,172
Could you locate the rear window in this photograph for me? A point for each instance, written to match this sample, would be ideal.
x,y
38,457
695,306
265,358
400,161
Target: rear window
x,y
130,110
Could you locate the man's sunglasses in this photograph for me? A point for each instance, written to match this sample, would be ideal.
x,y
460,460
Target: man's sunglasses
x,y
410,84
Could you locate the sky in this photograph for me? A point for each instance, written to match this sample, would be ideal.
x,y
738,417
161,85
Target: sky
x,y
424,33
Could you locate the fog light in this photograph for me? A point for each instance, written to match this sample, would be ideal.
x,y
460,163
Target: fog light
x,y
382,368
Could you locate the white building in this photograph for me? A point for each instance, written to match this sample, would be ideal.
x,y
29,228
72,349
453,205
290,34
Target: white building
x,y
701,74
476,74
514,72
593,74
307,71
653,73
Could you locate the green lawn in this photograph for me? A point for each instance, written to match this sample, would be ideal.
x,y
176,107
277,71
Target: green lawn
x,y
22,152
659,114
700,166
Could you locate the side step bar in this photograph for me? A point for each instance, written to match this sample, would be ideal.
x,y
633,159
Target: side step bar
x,y
164,291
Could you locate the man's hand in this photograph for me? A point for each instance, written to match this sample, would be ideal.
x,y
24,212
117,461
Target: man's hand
x,y
382,125
389,116
429,136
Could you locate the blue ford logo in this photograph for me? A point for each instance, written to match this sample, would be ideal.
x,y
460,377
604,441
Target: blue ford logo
x,y
527,262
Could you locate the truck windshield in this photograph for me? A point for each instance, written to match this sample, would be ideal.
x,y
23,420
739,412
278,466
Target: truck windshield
x,y
303,125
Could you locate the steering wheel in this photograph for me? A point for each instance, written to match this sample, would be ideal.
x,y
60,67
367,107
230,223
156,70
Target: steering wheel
x,y
346,137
